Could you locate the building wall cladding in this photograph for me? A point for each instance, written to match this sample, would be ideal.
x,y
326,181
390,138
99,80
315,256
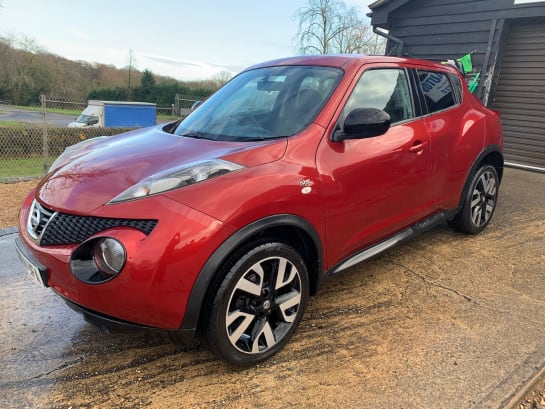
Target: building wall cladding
x,y
520,93
436,29
441,29
447,29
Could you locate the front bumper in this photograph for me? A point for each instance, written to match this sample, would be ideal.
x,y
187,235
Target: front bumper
x,y
185,336
154,286
33,267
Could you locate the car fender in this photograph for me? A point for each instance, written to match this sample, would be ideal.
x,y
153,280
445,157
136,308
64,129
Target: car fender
x,y
493,151
210,270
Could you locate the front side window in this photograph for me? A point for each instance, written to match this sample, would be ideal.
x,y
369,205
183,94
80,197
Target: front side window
x,y
264,103
386,89
437,90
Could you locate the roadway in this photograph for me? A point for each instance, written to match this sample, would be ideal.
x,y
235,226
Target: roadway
x,y
12,114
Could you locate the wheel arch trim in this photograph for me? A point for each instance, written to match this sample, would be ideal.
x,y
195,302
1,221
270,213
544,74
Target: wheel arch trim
x,y
221,254
492,149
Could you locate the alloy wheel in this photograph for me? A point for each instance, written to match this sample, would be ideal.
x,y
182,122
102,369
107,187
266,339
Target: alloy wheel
x,y
263,305
483,199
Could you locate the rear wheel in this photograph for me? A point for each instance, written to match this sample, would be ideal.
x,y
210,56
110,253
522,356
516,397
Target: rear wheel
x,y
480,201
259,304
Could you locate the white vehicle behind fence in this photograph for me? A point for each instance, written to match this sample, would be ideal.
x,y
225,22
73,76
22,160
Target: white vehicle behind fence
x,y
120,114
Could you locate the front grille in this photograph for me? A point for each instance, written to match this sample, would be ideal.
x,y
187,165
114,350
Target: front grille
x,y
37,220
63,228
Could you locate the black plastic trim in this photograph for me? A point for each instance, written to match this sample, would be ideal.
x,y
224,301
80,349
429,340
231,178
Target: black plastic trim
x,y
418,98
26,254
489,149
109,323
392,241
63,228
210,269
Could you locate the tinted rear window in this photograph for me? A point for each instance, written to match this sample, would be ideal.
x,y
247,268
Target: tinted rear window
x,y
437,90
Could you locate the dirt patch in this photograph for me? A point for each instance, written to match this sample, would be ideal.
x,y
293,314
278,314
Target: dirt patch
x,y
432,323
12,195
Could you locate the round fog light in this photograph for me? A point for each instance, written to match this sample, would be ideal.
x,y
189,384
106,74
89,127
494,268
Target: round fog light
x,y
110,256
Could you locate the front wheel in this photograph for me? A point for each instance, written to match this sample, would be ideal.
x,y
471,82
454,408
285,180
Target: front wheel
x,y
259,304
480,201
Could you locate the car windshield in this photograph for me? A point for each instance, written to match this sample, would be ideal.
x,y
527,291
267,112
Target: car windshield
x,y
85,119
264,103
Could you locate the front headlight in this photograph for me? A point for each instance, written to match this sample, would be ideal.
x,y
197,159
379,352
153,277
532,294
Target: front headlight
x,y
188,174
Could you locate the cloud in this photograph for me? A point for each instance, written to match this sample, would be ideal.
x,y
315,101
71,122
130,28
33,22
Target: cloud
x,y
80,35
171,61
182,69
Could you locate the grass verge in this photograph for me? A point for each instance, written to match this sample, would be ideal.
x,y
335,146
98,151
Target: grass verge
x,y
17,125
14,168
72,112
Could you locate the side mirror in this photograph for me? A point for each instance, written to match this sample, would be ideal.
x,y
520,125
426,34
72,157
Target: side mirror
x,y
363,123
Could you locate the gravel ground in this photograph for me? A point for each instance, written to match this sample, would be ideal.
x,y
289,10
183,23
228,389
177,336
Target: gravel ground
x,y
536,398
13,194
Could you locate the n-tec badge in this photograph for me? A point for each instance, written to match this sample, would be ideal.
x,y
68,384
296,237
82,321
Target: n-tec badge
x,y
306,186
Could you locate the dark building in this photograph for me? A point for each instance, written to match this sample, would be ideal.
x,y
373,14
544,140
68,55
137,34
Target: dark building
x,y
507,38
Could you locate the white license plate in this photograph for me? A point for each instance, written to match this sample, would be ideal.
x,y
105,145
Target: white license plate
x,y
32,269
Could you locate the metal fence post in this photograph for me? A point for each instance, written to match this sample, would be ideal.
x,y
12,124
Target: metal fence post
x,y
177,105
45,145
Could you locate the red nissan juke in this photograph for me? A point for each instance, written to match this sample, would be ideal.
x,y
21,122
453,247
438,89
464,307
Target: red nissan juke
x,y
227,221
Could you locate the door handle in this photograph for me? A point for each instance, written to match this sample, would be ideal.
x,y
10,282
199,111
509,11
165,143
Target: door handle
x,y
418,147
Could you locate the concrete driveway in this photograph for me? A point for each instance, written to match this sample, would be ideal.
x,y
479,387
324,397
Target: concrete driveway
x,y
444,321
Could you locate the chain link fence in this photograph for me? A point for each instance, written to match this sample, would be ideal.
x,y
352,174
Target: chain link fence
x,y
31,138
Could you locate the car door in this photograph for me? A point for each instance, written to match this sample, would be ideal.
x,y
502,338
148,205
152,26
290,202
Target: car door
x,y
376,186
456,133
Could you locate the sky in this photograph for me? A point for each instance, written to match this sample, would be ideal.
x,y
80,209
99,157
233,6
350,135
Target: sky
x,y
184,39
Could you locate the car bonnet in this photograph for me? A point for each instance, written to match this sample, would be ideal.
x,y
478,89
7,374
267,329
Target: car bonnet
x,y
95,176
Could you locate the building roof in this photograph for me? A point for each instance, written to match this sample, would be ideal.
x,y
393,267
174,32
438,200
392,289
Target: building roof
x,y
378,3
380,10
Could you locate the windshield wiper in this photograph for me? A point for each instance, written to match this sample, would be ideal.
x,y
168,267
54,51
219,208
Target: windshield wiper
x,y
195,134
260,138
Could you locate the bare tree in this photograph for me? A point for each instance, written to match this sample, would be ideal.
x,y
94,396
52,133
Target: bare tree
x,y
329,26
21,71
215,82
359,38
221,78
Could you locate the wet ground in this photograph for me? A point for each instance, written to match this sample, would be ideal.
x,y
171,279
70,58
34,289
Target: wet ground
x,y
444,321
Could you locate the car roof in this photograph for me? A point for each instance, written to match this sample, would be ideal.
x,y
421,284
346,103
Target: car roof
x,y
349,60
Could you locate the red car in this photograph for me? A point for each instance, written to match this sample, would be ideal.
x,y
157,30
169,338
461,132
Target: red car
x,y
227,221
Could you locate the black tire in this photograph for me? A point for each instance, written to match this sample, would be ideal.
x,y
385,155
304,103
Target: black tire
x,y
479,202
256,310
